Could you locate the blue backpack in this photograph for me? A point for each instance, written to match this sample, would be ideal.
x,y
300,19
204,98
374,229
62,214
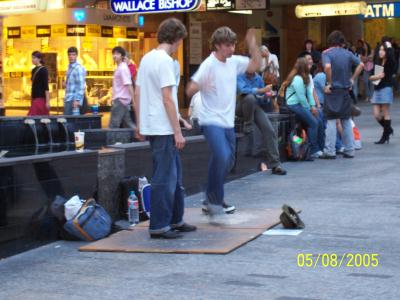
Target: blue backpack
x,y
145,196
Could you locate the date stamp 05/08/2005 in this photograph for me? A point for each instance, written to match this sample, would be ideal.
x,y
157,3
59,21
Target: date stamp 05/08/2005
x,y
333,260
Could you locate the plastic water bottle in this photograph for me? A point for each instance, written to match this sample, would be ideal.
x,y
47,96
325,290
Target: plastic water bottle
x,y
133,208
75,111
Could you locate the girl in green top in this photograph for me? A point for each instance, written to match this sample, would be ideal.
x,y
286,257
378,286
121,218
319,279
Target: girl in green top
x,y
300,100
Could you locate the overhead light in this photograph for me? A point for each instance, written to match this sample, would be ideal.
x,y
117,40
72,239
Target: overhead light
x,y
243,12
332,9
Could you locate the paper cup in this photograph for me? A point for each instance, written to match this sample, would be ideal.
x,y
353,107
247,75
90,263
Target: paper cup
x,y
79,141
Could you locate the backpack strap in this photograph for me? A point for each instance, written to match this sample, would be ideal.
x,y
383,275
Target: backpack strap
x,y
34,75
75,221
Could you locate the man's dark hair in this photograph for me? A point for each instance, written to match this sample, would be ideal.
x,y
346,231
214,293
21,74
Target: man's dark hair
x,y
170,31
73,50
336,38
119,50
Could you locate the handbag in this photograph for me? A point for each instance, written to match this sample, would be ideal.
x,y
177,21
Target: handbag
x,y
91,223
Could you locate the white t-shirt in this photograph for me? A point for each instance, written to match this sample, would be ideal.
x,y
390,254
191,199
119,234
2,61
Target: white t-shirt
x,y
217,82
195,106
273,62
156,71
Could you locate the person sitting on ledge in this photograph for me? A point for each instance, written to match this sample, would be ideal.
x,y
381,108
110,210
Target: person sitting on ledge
x,y
252,92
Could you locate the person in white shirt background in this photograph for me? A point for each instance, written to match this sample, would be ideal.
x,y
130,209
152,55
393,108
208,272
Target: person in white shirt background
x,y
216,80
158,118
269,62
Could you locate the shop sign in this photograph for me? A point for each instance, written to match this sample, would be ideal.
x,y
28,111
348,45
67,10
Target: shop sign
x,y
131,33
58,30
119,32
251,4
76,30
331,9
43,31
107,31
93,30
21,6
152,6
28,32
13,32
383,10
220,5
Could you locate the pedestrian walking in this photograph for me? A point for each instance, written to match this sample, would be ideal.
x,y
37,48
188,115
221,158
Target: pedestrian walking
x,y
123,92
75,85
383,89
40,105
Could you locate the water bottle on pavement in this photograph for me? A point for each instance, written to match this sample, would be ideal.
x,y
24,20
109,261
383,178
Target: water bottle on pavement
x,y
133,208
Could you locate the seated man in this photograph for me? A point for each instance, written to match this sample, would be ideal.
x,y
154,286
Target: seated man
x,y
251,88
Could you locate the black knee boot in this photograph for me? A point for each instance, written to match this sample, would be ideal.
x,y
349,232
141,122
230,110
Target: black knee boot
x,y
381,122
387,131
389,127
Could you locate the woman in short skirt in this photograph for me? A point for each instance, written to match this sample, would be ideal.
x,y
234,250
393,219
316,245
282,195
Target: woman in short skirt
x,y
40,105
383,92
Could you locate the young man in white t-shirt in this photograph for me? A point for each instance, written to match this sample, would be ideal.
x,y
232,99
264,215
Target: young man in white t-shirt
x,y
158,118
216,80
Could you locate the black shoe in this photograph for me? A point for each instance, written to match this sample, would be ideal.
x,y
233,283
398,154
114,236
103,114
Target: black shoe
x,y
168,235
186,228
279,171
327,156
345,155
228,209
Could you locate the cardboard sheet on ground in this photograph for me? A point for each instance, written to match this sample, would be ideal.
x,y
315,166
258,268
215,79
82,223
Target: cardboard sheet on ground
x,y
230,233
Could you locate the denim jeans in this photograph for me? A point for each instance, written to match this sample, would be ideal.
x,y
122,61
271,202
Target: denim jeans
x,y
167,192
221,142
347,137
314,125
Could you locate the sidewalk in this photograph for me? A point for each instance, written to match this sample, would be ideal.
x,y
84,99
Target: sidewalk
x,y
349,206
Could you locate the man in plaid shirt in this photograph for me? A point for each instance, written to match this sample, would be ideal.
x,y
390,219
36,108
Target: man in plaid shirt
x,y
75,84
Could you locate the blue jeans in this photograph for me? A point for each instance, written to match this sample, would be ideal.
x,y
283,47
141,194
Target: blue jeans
x,y
347,137
221,142
167,192
314,126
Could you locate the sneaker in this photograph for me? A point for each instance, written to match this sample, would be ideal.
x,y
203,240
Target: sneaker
x,y
168,235
185,228
315,156
228,209
340,151
327,156
279,171
346,155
